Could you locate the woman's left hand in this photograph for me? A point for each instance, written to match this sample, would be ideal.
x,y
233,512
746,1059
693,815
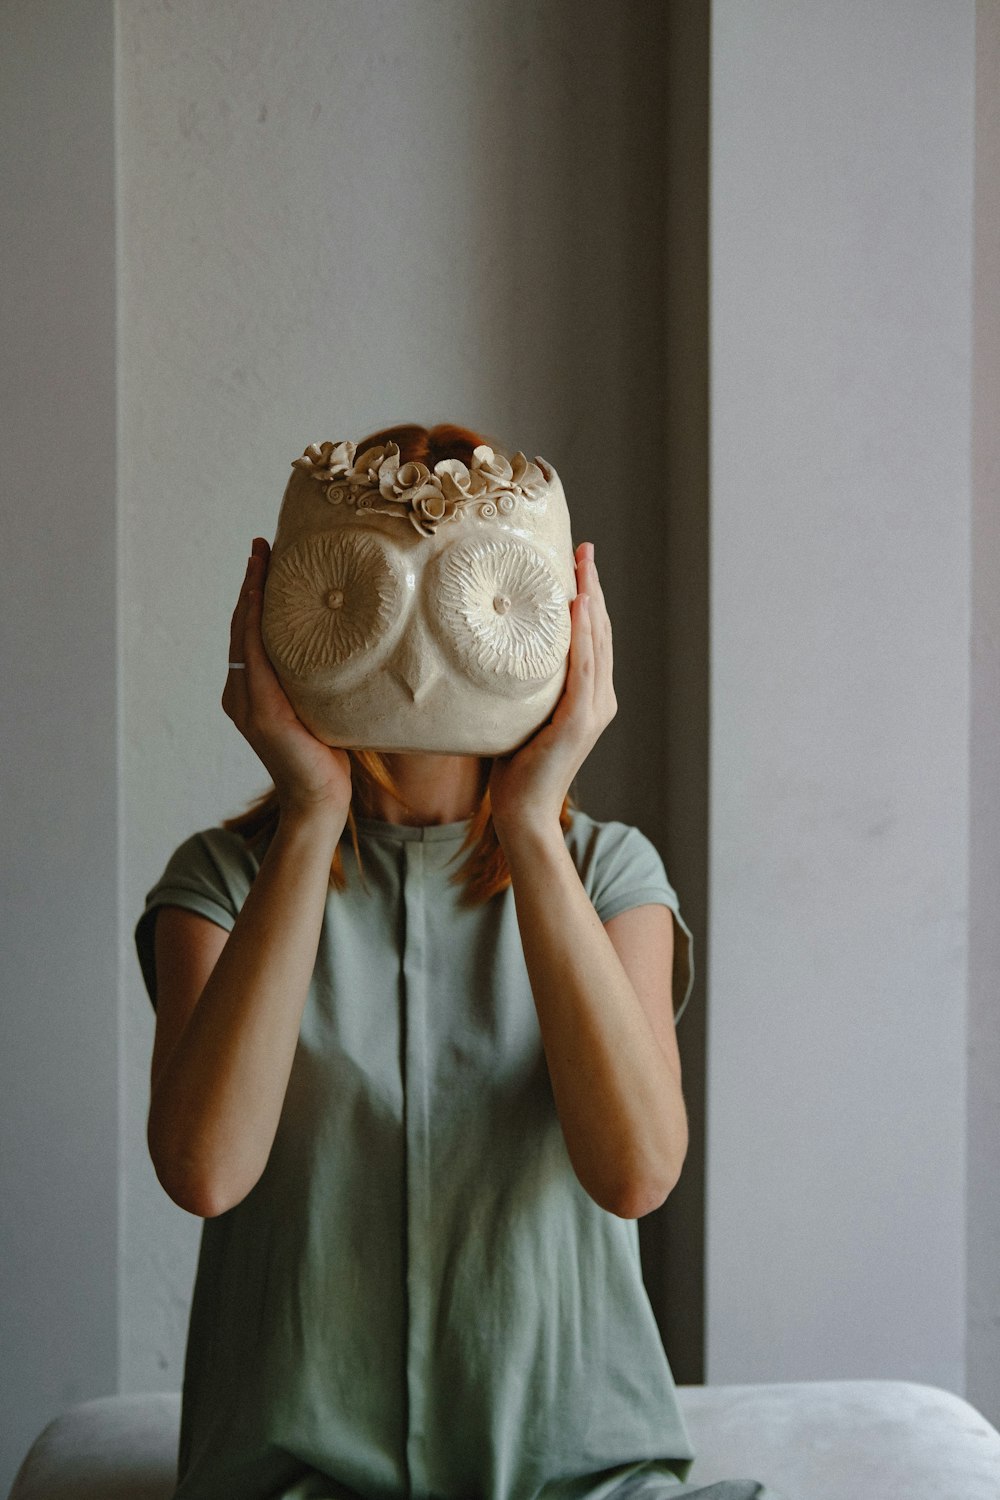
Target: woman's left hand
x,y
529,787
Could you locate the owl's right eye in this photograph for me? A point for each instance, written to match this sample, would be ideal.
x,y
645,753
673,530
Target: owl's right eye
x,y
331,599
502,613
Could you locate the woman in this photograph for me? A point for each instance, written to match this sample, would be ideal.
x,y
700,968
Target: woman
x,y
420,1111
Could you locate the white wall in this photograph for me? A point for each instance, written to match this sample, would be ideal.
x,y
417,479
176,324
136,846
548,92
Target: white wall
x,y
842,216
58,688
983,1204
334,216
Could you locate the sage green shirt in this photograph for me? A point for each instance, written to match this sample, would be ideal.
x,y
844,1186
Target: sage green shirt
x,y
418,1298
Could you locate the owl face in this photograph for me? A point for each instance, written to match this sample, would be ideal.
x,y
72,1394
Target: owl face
x,y
452,641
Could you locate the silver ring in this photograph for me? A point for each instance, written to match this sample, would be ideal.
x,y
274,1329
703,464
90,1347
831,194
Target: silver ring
x,y
237,666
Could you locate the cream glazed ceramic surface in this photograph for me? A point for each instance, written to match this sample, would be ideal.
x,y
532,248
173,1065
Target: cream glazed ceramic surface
x,y
414,611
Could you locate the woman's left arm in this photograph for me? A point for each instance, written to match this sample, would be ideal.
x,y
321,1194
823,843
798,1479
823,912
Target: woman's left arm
x,y
602,991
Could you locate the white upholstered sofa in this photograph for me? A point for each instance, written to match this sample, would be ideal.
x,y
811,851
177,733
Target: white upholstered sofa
x,y
812,1440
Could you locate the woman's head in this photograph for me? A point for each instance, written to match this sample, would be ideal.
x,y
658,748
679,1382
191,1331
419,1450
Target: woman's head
x,y
421,605
484,871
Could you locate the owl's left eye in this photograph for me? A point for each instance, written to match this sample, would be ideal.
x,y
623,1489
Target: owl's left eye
x,y
331,598
501,612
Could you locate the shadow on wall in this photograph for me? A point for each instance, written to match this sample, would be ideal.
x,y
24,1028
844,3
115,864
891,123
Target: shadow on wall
x,y
610,284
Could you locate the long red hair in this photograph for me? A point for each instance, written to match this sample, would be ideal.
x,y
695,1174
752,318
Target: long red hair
x,y
484,871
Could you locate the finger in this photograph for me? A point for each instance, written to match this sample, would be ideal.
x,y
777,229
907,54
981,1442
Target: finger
x,y
254,653
592,584
258,549
580,561
236,623
589,584
604,701
601,621
234,694
580,677
579,686
264,691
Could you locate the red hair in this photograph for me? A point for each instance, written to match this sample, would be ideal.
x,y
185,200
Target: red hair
x,y
484,871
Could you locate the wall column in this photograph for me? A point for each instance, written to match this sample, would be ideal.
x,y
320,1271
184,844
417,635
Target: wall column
x,y
841,260
58,772
983,1207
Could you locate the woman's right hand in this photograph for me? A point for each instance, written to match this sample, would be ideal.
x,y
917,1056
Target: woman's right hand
x,y
230,1005
308,775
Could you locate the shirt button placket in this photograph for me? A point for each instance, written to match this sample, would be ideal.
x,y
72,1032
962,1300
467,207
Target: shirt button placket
x,y
417,1124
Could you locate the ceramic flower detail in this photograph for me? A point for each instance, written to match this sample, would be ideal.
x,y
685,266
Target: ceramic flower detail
x,y
430,508
455,480
530,478
368,466
326,461
376,481
494,468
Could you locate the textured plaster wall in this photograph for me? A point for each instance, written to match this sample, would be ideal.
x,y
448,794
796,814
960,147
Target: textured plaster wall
x,y
58,689
333,216
984,851
842,202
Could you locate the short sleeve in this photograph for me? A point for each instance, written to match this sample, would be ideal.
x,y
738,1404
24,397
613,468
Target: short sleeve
x,y
210,873
621,868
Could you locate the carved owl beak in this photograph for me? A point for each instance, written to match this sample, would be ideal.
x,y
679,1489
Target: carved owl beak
x,y
415,665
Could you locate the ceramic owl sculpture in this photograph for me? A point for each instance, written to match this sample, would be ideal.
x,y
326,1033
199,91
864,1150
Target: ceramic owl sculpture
x,y
409,609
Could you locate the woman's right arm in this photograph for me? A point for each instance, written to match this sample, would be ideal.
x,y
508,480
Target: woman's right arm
x,y
229,1007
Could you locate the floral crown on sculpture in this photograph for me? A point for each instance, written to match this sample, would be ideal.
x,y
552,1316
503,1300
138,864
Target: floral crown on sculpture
x,y
376,481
